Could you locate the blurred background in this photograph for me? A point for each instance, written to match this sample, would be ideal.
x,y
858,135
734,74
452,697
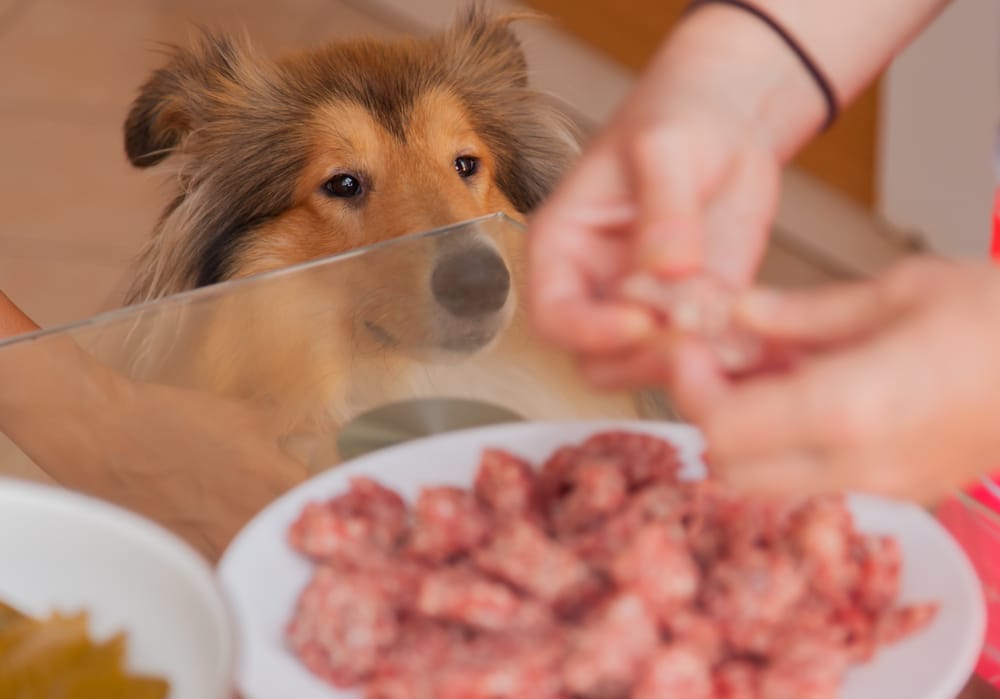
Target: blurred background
x,y
911,164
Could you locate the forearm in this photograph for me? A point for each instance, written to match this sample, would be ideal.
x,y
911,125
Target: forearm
x,y
47,382
851,41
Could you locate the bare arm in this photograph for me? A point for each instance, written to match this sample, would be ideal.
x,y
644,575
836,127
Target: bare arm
x,y
198,463
686,176
852,41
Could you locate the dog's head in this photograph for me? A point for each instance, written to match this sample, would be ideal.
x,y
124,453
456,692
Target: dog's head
x,y
323,151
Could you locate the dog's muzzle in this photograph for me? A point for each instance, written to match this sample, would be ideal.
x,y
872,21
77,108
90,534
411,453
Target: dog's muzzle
x,y
471,282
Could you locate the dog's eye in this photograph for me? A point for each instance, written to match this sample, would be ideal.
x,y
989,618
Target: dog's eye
x,y
343,185
466,165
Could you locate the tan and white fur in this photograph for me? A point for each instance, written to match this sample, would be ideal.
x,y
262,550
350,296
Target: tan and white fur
x,y
278,163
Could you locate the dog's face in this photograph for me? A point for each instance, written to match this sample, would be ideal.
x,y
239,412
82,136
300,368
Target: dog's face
x,y
363,184
343,147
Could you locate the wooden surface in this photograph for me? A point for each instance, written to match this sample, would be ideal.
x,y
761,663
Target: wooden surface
x,y
629,33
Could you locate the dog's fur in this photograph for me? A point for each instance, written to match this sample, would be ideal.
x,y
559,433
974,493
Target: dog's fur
x,y
255,144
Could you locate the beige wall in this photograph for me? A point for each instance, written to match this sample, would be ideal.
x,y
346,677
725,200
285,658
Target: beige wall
x,y
941,109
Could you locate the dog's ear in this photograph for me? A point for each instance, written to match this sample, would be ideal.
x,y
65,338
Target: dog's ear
x,y
533,140
175,99
484,47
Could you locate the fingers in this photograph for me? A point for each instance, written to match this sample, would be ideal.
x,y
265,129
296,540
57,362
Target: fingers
x,y
823,429
738,227
841,312
791,475
580,324
637,368
654,363
832,314
669,196
576,253
697,384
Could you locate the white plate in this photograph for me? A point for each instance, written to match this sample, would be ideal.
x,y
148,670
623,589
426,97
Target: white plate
x,y
60,551
263,576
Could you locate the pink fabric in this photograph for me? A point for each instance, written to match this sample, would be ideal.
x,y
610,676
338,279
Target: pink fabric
x,y
979,536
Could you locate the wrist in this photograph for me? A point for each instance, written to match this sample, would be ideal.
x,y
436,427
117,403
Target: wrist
x,y
750,72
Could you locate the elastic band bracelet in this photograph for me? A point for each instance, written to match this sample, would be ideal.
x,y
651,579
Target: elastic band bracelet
x,y
832,109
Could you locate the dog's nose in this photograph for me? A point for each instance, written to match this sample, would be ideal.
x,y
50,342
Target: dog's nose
x,y
471,282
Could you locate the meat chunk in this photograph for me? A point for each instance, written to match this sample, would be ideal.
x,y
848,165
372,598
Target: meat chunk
x,y
462,595
896,624
408,669
608,652
341,624
880,564
695,629
736,679
675,670
523,555
751,595
501,666
368,518
643,458
448,522
555,475
658,567
599,489
506,485
803,668
699,305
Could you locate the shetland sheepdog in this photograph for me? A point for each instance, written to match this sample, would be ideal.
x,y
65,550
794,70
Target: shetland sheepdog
x,y
282,162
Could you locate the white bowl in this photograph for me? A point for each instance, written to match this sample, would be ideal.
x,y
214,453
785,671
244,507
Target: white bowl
x,y
263,576
60,551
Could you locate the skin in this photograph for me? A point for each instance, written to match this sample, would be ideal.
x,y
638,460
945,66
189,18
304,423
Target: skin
x,y
685,176
105,418
896,391
895,387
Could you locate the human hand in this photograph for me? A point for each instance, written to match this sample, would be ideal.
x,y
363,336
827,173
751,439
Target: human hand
x,y
896,390
684,178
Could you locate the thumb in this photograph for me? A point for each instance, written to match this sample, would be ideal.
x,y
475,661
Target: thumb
x,y
669,225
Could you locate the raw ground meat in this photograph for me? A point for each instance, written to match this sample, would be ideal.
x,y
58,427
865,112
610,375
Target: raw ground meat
x,y
700,306
599,576
368,518
506,485
468,597
447,522
608,651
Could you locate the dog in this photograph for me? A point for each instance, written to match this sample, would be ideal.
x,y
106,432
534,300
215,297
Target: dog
x,y
280,163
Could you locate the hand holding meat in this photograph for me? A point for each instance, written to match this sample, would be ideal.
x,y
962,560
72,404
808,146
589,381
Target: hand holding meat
x,y
896,390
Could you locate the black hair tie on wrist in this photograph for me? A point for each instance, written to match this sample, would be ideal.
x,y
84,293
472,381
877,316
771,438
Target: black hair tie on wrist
x,y
832,109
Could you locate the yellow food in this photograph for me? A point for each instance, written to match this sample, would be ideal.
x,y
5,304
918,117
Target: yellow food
x,y
55,658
